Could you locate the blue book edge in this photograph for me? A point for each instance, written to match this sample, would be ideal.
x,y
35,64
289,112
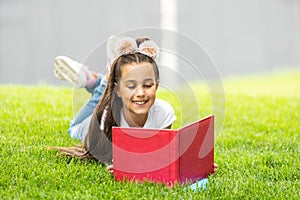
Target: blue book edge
x,y
201,184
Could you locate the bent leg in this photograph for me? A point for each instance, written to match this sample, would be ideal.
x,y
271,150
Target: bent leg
x,y
91,104
80,130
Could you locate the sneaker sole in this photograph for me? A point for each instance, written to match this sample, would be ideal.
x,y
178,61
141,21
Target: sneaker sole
x,y
64,71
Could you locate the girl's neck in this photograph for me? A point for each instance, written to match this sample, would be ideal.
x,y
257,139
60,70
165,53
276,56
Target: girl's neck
x,y
134,120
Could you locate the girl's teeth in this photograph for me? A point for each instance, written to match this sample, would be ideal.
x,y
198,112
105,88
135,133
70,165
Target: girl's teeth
x,y
140,102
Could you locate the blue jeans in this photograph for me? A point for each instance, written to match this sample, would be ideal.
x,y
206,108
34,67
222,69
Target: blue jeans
x,y
80,124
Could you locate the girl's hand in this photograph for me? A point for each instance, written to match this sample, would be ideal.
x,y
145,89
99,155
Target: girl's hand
x,y
215,167
110,168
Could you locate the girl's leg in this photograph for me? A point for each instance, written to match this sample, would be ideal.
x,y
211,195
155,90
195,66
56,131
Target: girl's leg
x,y
90,105
74,72
80,76
86,111
79,131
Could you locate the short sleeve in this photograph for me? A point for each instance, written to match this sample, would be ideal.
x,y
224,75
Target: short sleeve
x,y
161,116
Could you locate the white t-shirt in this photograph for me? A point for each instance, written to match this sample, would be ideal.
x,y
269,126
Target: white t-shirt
x,y
160,115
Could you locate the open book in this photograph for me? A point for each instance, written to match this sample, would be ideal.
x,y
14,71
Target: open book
x,y
164,155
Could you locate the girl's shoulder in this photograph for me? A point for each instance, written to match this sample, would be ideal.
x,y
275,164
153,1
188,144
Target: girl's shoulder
x,y
160,104
161,115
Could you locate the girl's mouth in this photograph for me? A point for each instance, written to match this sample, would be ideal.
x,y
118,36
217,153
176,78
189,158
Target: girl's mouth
x,y
140,102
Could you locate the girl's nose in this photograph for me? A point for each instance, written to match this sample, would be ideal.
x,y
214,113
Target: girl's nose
x,y
140,91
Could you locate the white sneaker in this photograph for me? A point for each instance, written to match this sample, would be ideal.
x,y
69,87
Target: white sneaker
x,y
67,69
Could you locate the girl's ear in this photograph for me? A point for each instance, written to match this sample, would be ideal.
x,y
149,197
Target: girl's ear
x,y
157,84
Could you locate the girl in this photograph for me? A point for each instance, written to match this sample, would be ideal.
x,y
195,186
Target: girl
x,y
129,100
80,76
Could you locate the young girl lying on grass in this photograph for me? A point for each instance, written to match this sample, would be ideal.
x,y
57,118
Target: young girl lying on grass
x,y
129,100
80,76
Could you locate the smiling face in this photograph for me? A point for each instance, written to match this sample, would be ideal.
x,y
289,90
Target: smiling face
x,y
137,89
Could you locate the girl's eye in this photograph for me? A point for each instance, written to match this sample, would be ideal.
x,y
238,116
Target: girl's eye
x,y
131,86
148,85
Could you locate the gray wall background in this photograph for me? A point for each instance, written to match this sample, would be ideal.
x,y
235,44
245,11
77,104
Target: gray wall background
x,y
240,36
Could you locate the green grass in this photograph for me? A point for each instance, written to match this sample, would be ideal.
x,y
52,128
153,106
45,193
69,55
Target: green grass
x,y
257,151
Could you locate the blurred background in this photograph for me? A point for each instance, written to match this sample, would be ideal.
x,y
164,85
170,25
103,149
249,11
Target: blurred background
x,y
241,37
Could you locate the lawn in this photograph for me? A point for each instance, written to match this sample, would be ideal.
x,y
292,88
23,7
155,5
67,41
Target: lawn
x,y
257,150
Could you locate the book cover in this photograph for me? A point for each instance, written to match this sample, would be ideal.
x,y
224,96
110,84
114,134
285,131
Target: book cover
x,y
164,155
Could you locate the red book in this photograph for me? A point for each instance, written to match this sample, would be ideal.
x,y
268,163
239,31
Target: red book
x,y
164,155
